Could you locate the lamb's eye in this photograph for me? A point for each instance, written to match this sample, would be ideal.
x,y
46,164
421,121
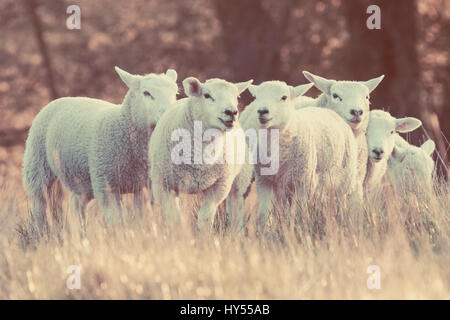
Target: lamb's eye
x,y
207,96
335,96
392,132
367,97
284,98
147,94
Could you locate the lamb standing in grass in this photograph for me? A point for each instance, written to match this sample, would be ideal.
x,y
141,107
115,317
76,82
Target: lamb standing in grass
x,y
316,147
212,106
95,148
382,136
350,99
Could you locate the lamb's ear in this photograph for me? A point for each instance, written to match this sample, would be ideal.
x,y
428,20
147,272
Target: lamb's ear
x,y
172,74
131,80
300,90
428,146
322,84
243,85
409,124
192,87
252,89
373,83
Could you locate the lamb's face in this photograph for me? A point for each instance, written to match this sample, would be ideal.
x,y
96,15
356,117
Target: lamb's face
x,y
152,93
216,100
272,103
350,99
380,135
382,130
157,92
416,162
274,100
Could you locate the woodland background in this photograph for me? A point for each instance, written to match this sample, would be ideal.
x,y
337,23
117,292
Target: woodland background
x,y
40,59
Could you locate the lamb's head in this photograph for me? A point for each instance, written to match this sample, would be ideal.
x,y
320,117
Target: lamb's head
x,y
382,131
350,99
274,101
152,92
417,161
416,158
215,101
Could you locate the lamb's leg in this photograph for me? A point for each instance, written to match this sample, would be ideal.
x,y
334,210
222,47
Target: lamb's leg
x,y
171,205
166,199
109,202
207,211
55,195
213,196
37,179
38,216
78,205
235,205
150,194
137,200
265,204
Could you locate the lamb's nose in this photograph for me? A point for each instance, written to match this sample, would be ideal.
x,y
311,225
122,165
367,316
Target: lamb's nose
x,y
263,111
231,113
378,151
356,113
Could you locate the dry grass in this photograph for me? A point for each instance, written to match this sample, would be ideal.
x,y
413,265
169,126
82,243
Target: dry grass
x,y
322,254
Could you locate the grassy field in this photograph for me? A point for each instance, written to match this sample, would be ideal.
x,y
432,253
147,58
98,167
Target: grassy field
x,y
324,253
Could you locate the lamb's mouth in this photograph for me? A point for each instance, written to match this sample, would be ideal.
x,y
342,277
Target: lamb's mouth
x,y
264,120
229,123
377,159
355,121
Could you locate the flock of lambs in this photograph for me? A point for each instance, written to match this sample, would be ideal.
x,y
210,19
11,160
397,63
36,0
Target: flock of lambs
x,y
99,150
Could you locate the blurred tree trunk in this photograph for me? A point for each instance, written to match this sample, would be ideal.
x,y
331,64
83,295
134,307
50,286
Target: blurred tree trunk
x,y
38,33
390,51
252,38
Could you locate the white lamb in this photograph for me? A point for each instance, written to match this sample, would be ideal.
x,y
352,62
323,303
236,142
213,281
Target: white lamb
x,y
382,136
350,99
242,184
316,147
95,148
209,111
411,168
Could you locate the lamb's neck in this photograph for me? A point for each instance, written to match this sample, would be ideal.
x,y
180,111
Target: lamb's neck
x,y
135,120
400,141
361,131
321,101
375,172
190,116
290,124
135,116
